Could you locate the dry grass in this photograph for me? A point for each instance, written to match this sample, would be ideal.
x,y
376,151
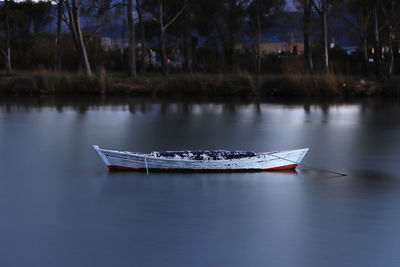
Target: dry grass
x,y
299,82
294,82
64,82
313,85
202,84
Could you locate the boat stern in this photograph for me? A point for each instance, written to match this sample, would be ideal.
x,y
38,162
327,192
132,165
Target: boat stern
x,y
302,154
287,160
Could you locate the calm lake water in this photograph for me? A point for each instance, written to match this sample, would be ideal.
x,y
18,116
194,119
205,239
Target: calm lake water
x,y
59,206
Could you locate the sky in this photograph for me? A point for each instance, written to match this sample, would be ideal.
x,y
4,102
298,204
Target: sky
x,y
290,5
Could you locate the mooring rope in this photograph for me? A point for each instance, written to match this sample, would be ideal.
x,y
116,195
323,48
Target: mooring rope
x,y
310,167
145,160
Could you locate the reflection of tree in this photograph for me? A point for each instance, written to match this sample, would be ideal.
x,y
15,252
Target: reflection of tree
x,y
164,107
257,108
306,108
82,108
132,108
143,108
229,108
325,108
186,106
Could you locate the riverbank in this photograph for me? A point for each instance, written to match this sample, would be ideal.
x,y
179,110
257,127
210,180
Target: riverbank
x,y
197,84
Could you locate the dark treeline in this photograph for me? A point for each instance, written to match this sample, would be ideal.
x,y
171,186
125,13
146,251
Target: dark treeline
x,y
211,36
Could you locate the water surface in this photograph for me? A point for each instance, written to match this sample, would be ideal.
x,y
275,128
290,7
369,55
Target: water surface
x,y
60,206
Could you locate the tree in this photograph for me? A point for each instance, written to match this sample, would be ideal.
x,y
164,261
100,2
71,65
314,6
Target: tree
x,y
75,28
262,15
306,6
228,27
185,32
142,37
390,13
60,11
26,21
321,6
220,23
377,45
163,26
206,14
7,51
358,15
132,41
40,14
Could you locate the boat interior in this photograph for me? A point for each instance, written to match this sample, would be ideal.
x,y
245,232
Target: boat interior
x,y
204,154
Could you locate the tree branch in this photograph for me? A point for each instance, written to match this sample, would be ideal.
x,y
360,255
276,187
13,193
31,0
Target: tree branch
x,y
316,7
382,27
105,8
388,19
351,23
177,15
3,52
93,34
67,19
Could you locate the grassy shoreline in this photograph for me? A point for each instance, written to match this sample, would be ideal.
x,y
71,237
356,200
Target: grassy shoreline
x,y
197,84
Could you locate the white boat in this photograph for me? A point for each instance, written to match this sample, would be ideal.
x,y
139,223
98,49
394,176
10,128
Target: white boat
x,y
205,160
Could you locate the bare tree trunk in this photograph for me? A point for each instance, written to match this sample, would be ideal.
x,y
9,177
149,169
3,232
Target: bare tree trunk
x,y
187,51
377,48
163,28
223,61
142,37
391,57
75,27
390,30
85,60
7,33
164,60
132,42
71,25
325,55
58,38
258,38
163,52
364,49
306,34
231,36
189,54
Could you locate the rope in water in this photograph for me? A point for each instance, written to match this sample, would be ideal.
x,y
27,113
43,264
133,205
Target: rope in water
x,y
145,160
310,167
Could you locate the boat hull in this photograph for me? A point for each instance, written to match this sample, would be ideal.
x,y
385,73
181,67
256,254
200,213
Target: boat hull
x,y
270,161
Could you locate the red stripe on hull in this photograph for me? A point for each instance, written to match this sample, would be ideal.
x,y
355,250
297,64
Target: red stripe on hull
x,y
284,168
123,168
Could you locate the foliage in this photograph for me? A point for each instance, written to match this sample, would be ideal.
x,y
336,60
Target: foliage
x,y
210,29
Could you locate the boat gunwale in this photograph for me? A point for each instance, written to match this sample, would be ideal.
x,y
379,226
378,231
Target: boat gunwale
x,y
259,155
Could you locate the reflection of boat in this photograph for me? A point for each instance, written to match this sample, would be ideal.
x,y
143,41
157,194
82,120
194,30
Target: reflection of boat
x,y
204,160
